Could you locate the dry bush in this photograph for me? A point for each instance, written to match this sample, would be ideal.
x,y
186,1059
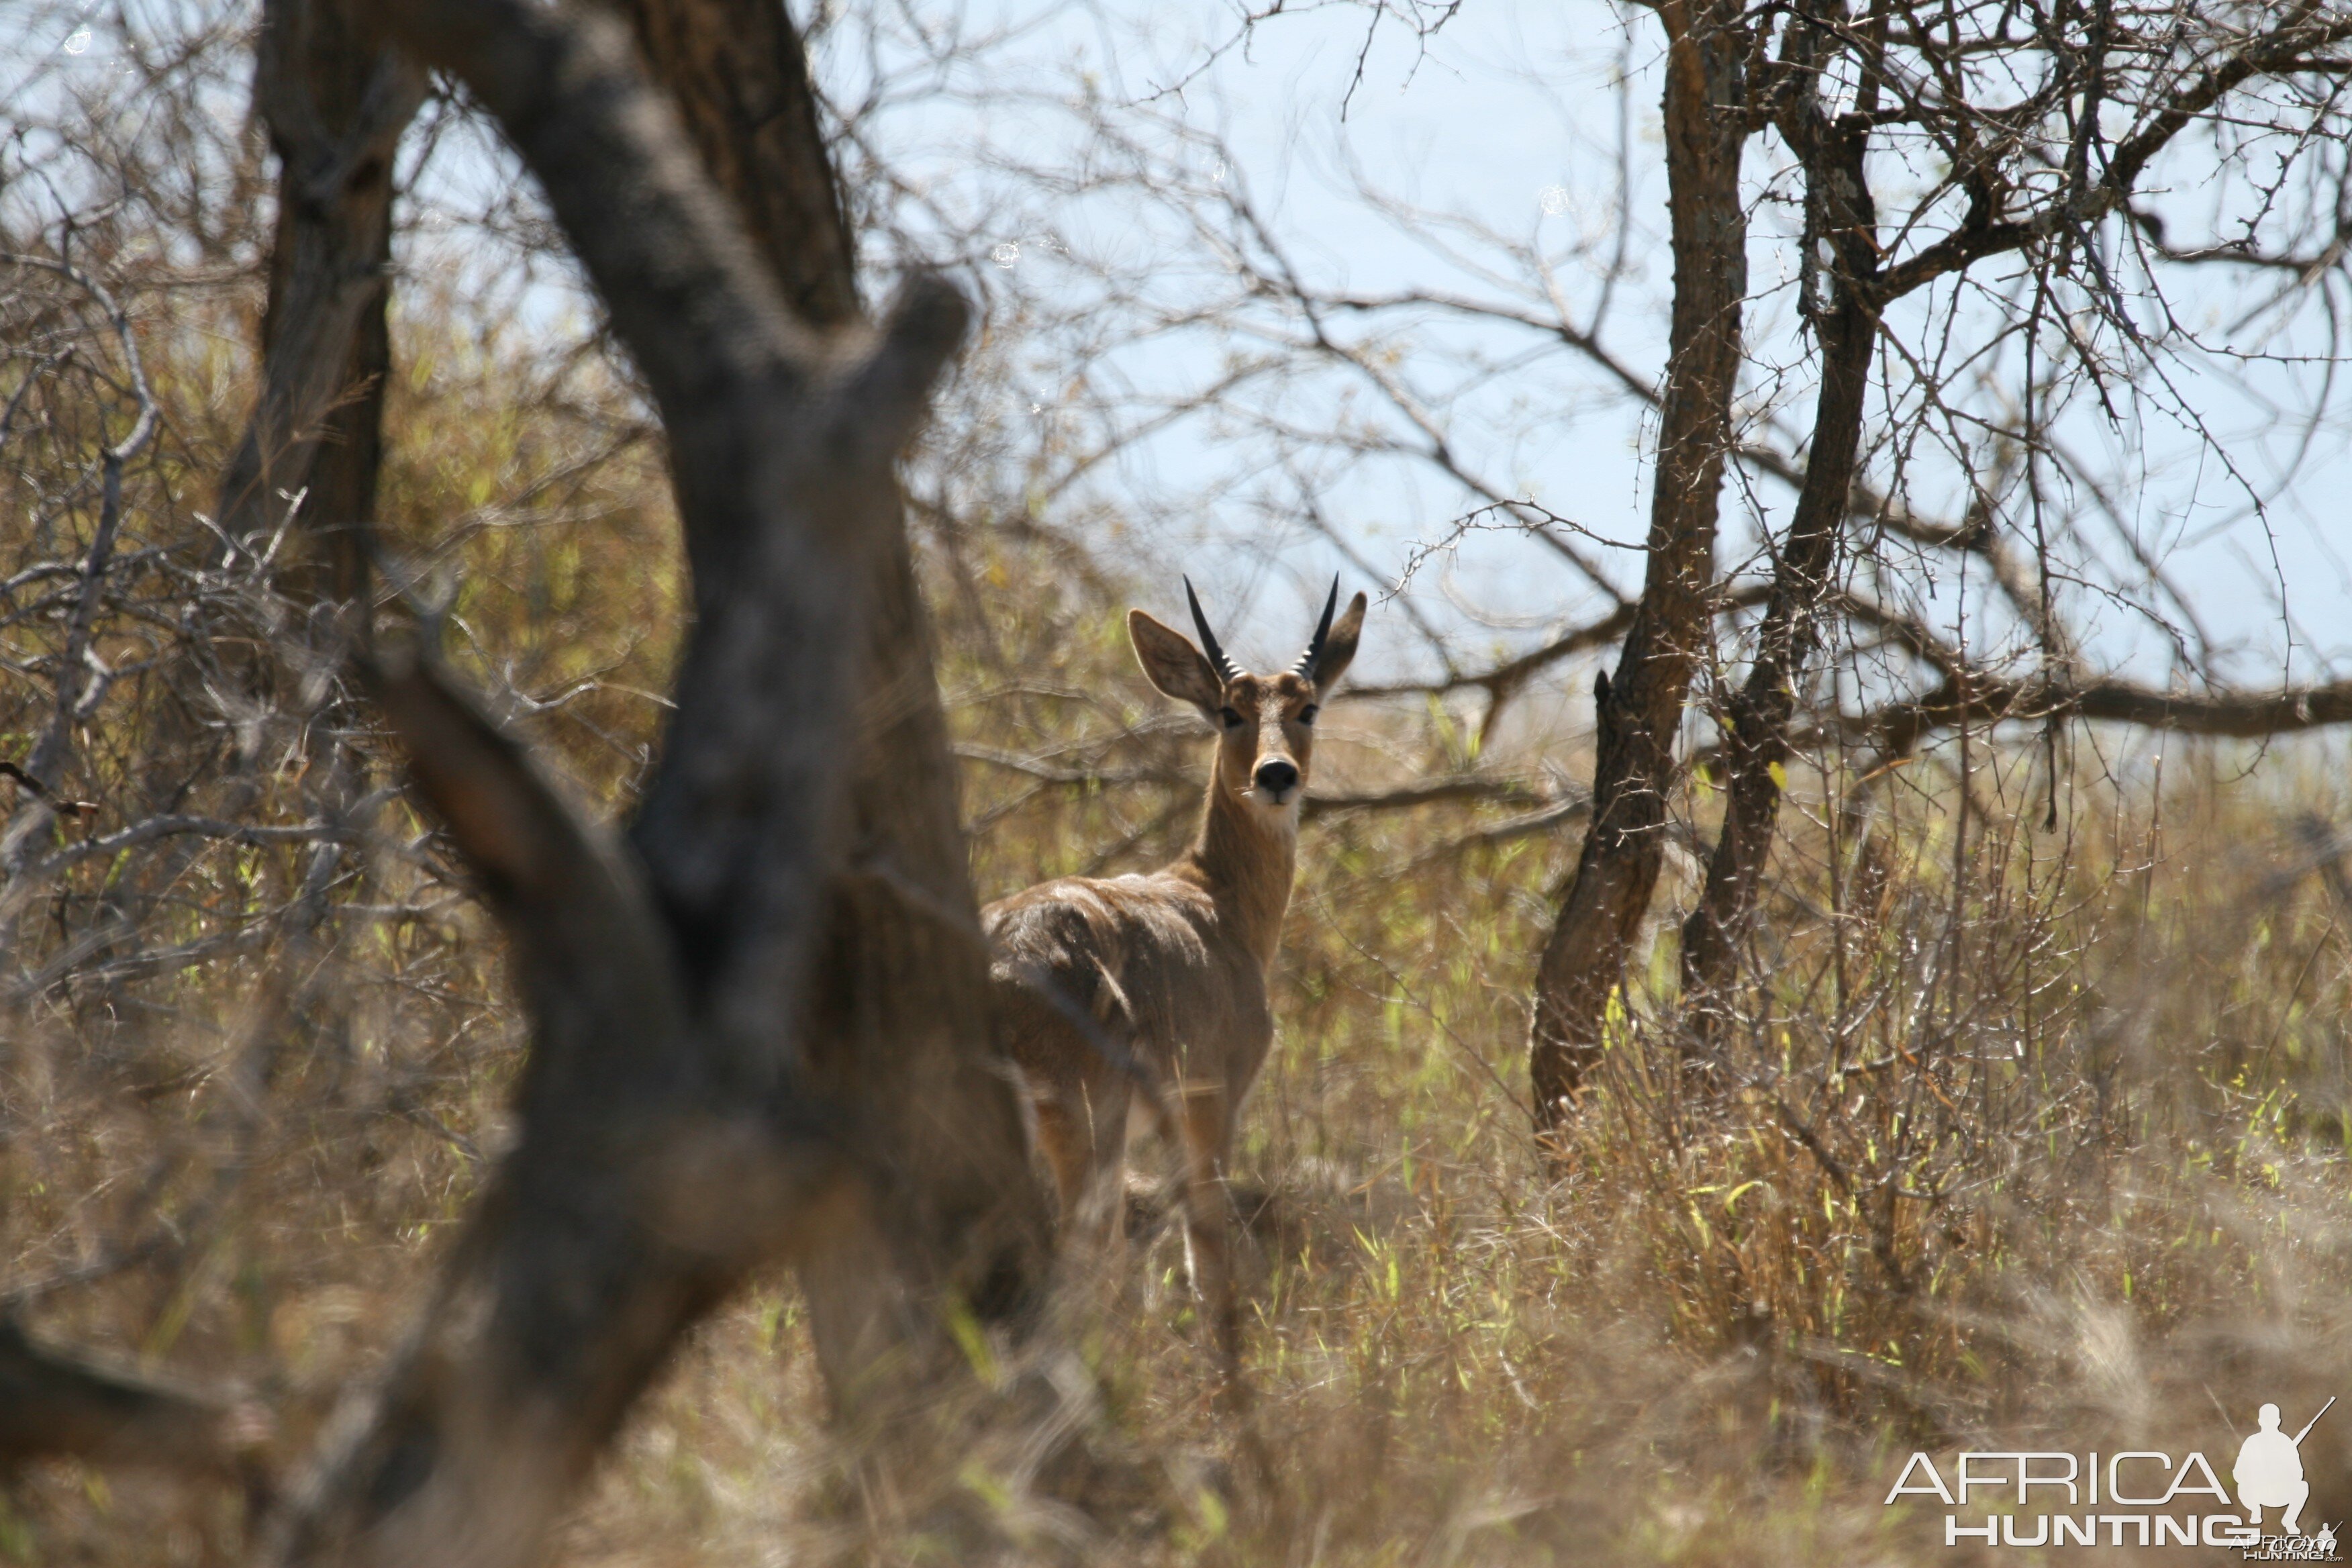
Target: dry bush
x,y
255,1039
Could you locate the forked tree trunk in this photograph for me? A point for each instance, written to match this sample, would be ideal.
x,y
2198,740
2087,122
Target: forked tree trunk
x,y
1640,710
674,1128
1841,217
898,996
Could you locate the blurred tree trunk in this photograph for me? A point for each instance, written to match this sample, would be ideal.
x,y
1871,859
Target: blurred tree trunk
x,y
1841,220
1640,710
898,997
678,1122
336,101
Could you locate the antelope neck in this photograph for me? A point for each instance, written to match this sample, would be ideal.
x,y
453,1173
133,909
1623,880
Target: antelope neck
x,y
1246,856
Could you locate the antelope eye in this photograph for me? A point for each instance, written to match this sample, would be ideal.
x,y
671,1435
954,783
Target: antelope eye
x,y
1232,719
1306,714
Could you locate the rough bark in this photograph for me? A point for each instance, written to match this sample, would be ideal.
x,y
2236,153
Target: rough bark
x,y
1978,697
338,513
1640,710
741,79
899,992
1841,217
671,1134
336,101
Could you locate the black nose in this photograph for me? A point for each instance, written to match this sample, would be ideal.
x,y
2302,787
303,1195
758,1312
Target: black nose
x,y
1276,776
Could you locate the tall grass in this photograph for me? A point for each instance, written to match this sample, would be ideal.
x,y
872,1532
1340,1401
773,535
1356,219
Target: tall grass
x,y
2023,1138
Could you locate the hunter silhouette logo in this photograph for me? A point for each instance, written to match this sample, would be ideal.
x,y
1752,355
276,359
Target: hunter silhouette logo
x,y
2137,1497
2269,1471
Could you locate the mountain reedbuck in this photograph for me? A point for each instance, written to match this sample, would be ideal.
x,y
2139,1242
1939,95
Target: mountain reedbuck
x,y
1106,984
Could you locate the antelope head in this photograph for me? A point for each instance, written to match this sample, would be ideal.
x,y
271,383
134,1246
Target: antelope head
x,y
1264,723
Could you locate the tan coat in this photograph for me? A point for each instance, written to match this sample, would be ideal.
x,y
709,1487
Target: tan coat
x,y
1103,985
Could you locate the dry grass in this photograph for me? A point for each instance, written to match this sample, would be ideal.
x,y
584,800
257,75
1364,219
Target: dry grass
x,y
2025,1138
2113,1119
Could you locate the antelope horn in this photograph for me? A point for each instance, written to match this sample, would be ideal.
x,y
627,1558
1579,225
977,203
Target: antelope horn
x,y
1305,667
1226,669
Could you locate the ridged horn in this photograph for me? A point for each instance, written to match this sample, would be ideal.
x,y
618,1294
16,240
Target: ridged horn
x,y
1226,669
1305,667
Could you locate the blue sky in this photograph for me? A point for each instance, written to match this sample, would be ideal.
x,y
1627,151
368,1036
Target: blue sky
x,y
1379,161
1505,122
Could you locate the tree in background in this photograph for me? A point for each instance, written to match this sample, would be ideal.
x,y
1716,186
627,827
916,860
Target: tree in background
x,y
1987,245
2046,141
1640,710
2026,139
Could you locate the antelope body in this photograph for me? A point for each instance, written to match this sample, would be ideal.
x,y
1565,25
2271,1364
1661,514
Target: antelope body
x,y
1103,986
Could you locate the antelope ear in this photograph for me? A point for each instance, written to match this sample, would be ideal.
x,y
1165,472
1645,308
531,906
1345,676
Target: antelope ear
x,y
1340,647
1173,664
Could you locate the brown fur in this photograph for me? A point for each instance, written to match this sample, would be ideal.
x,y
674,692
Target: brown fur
x,y
1103,985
